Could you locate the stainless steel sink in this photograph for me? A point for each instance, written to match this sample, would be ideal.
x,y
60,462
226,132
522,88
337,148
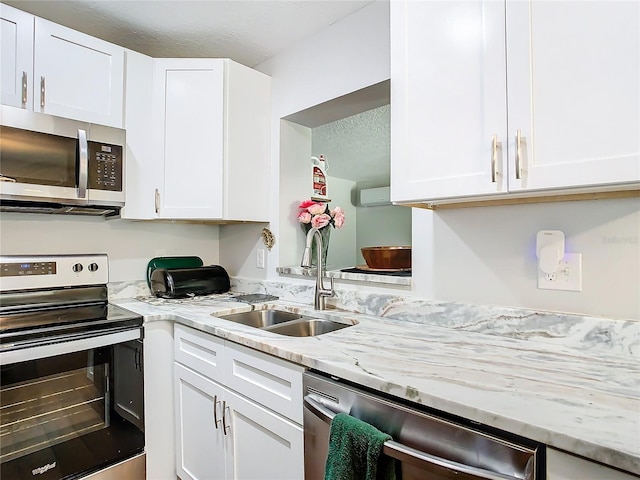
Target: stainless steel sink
x,y
261,318
307,327
283,322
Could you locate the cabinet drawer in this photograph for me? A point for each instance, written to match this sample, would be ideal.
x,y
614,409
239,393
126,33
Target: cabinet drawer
x,y
199,351
270,381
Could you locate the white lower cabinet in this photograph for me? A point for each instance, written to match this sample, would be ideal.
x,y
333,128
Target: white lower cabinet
x,y
563,466
264,446
223,434
200,443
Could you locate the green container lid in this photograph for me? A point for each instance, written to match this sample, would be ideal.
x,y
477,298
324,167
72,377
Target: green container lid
x,y
171,262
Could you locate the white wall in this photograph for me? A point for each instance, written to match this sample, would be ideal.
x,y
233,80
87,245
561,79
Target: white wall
x,y
238,246
487,255
382,225
129,245
295,149
477,255
342,244
349,55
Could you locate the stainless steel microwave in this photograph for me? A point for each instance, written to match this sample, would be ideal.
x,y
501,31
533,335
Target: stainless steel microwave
x,y
51,164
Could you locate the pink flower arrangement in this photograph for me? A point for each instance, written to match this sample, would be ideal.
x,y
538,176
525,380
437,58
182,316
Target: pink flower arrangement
x,y
318,215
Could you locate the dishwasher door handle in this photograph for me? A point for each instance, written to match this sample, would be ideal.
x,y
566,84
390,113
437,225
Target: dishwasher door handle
x,y
407,454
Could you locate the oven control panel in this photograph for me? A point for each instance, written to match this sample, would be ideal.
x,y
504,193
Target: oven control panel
x,y
19,272
29,268
105,166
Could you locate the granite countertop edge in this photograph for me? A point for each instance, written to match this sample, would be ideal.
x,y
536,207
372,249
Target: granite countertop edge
x,y
585,403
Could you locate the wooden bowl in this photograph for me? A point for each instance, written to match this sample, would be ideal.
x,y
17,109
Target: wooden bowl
x,y
387,258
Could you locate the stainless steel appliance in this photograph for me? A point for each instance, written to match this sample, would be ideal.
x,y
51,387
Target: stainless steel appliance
x,y
426,444
71,371
57,165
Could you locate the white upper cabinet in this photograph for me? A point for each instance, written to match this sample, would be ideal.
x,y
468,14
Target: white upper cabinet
x,y
191,93
494,100
143,168
52,69
447,99
209,119
77,76
16,52
574,93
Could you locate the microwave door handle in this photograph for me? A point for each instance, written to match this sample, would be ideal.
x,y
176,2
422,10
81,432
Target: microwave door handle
x,y
83,160
407,454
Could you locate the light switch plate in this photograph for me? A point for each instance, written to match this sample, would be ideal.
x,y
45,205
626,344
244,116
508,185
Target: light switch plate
x,y
568,276
260,258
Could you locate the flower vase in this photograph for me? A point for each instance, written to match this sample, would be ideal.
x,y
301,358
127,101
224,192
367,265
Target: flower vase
x,y
325,232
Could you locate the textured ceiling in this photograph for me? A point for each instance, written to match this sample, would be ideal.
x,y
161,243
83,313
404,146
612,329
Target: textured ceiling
x,y
358,147
247,31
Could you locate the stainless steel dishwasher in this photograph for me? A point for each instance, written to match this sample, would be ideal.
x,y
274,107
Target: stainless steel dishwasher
x,y
427,445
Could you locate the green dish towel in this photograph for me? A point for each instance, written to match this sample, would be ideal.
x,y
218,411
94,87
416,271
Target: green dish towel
x,y
355,449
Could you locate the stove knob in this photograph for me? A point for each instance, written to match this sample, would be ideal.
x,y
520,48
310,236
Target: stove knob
x,y
93,267
77,267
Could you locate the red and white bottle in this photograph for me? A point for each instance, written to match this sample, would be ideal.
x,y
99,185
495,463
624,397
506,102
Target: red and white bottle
x,y
319,169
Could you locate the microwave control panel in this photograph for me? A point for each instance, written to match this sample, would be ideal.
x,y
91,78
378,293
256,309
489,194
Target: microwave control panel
x,y
105,166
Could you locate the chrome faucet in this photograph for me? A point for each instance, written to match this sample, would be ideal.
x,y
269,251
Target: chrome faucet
x,y
321,293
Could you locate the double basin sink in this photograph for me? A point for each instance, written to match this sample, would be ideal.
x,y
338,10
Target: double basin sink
x,y
284,322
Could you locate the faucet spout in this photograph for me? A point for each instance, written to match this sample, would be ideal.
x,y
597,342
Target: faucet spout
x,y
321,292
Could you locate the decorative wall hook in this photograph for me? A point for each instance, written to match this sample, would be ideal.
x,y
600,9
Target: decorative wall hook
x,y
268,238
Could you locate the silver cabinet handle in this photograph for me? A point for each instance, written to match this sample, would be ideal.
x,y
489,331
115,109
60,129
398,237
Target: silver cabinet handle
x,y
24,88
157,201
494,157
518,154
42,91
215,411
407,454
225,427
83,159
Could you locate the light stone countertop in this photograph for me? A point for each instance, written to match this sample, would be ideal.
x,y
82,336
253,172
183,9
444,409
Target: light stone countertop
x,y
581,394
372,277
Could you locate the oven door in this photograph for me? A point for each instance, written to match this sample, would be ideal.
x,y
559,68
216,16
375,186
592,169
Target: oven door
x,y
72,408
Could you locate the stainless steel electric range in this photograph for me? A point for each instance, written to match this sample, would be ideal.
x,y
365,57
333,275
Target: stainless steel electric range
x,y
71,378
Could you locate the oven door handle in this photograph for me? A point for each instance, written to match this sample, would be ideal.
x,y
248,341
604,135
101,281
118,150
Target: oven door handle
x,y
86,342
407,454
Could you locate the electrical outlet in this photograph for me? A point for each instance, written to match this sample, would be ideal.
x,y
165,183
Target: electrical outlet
x,y
260,258
567,277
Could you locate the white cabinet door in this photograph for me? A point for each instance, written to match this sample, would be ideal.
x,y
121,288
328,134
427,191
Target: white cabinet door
x,y
77,76
574,92
16,52
142,174
191,130
447,99
200,444
264,446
